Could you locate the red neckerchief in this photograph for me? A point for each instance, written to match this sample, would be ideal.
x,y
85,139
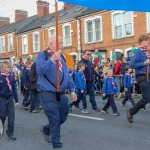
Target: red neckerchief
x,y
7,79
144,50
51,53
112,82
83,75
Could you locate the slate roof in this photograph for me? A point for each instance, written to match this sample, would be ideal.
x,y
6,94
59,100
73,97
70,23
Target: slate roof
x,y
64,15
34,22
17,26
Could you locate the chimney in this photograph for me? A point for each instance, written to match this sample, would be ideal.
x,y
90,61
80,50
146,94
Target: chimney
x,y
42,8
67,5
4,21
20,15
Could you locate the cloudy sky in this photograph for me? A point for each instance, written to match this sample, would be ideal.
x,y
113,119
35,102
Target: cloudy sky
x,y
7,7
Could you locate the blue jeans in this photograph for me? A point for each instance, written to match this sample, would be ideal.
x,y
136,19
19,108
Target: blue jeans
x,y
7,109
56,112
118,83
82,96
90,87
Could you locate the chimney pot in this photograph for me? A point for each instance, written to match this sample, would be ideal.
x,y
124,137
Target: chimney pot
x,y
4,21
20,15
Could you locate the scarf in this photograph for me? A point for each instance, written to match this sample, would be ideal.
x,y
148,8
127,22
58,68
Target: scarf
x,y
7,80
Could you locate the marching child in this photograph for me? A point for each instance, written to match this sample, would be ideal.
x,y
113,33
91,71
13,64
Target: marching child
x,y
128,85
81,87
109,89
8,93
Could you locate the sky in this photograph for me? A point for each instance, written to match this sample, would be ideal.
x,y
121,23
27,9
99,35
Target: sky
x,y
7,7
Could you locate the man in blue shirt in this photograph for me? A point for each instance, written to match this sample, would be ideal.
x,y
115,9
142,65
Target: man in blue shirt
x,y
55,105
139,62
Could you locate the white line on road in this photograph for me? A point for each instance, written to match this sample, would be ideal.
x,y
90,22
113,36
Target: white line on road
x,y
87,117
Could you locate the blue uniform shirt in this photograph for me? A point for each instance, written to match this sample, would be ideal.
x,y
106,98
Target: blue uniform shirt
x,y
127,81
108,87
26,78
4,89
80,81
48,68
137,62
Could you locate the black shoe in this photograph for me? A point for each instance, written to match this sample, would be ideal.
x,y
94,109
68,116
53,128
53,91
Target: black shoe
x,y
116,114
76,107
46,137
96,109
129,116
12,137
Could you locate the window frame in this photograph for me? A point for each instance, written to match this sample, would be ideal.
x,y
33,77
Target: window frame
x,y
124,35
52,28
93,30
24,36
10,49
2,37
36,33
148,21
64,37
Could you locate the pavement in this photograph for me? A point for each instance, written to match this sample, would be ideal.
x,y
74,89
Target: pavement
x,y
94,131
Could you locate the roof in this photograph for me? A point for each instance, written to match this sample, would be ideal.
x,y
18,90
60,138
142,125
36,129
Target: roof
x,y
64,15
87,12
17,26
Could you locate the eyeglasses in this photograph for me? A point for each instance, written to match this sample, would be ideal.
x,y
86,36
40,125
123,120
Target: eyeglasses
x,y
88,54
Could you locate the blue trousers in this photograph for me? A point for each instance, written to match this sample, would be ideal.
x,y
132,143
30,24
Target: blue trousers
x,y
90,87
34,100
56,113
7,110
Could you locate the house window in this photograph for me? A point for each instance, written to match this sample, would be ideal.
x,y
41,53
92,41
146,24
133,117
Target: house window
x,y
52,32
67,35
10,43
36,42
122,24
93,30
148,21
24,44
2,45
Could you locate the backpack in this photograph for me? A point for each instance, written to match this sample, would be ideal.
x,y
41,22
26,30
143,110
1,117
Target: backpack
x,y
34,76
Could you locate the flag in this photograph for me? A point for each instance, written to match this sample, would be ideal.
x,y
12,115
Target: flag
x,y
32,57
128,5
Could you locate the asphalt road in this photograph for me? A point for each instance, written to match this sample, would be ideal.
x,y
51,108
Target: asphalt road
x,y
96,132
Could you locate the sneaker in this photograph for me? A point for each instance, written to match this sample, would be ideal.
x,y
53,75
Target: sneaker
x,y
104,111
102,100
39,108
96,109
84,111
12,137
116,114
46,137
26,107
76,107
57,149
123,105
129,116
143,109
34,111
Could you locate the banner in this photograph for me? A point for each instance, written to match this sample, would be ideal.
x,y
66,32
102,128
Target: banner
x,y
128,5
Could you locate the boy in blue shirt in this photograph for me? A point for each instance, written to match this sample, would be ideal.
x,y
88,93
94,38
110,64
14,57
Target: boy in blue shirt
x,y
109,89
8,93
128,84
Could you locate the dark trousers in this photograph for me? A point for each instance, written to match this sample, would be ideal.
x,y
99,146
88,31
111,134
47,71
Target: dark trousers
x,y
81,96
145,90
128,96
56,112
21,85
7,109
26,100
90,87
110,102
34,100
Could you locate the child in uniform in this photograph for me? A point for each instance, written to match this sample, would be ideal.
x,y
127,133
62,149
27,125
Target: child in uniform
x,y
109,89
8,93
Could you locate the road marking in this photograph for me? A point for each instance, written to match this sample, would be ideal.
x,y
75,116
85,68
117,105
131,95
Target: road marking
x,y
87,117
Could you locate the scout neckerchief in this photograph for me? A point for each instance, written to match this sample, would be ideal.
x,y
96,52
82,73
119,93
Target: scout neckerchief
x,y
7,79
144,50
83,75
112,82
51,53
